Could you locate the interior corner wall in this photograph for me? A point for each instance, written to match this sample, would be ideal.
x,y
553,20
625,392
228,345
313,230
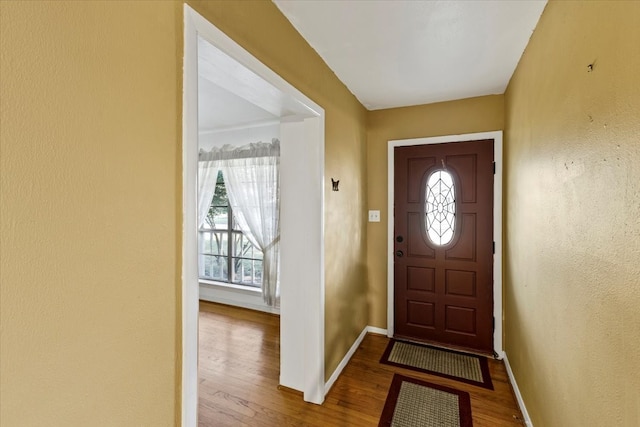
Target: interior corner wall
x,y
260,28
480,114
572,238
90,231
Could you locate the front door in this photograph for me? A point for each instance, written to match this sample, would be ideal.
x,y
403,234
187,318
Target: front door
x,y
443,244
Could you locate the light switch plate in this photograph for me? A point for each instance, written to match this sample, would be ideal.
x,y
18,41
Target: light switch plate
x,y
374,216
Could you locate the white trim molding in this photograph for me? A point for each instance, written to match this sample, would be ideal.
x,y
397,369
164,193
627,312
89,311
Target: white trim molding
x,y
378,331
190,304
347,357
496,136
516,390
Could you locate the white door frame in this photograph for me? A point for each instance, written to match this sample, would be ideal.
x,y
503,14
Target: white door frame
x,y
496,136
308,307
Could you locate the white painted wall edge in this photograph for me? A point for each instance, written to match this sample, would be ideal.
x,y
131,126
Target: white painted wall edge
x,y
347,357
230,296
313,286
189,315
516,390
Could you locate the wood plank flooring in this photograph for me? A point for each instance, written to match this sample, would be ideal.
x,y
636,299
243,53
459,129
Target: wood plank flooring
x,y
239,370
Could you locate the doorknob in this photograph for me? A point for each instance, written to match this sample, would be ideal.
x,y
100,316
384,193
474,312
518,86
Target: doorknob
x,y
399,254
399,239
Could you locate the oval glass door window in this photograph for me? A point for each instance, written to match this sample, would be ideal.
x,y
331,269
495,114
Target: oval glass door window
x,y
440,207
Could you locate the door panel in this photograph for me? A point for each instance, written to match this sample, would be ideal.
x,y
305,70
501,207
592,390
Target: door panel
x,y
417,246
444,293
465,247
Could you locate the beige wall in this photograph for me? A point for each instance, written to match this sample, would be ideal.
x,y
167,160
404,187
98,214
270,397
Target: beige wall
x,y
90,242
573,216
259,27
90,140
472,115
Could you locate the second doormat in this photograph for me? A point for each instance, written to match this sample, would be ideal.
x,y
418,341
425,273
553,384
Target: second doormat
x,y
412,402
464,367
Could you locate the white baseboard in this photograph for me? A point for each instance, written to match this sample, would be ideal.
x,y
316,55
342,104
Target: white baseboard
x,y
347,357
378,331
516,390
239,298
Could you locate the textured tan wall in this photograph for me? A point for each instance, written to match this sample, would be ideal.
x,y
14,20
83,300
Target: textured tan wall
x,y
573,216
89,144
471,115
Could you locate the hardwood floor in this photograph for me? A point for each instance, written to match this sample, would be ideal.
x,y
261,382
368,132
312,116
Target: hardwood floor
x,y
238,380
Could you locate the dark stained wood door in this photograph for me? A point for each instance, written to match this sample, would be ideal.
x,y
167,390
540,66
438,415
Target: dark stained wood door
x,y
443,290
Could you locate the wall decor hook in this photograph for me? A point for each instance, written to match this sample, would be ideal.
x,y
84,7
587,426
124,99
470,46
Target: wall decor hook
x,y
334,184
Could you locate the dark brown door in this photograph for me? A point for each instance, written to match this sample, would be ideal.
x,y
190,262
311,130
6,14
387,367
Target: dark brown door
x,y
443,244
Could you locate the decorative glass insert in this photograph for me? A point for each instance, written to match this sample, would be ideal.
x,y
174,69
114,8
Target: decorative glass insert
x,y
440,204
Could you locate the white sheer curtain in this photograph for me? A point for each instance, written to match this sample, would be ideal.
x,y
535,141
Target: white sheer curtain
x,y
252,177
207,176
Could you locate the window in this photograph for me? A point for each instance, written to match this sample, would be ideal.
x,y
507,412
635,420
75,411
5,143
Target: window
x,y
440,207
226,254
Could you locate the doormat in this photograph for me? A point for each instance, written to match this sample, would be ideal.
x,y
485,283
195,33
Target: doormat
x,y
468,368
412,402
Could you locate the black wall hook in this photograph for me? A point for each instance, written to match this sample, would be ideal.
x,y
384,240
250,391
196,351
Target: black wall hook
x,y
334,184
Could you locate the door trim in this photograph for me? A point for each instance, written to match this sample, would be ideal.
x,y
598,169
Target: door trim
x,y
496,136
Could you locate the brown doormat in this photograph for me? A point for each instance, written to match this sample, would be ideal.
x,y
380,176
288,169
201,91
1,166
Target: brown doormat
x,y
468,368
412,402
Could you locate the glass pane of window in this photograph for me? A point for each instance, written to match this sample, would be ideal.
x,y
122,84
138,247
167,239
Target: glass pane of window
x,y
247,272
242,247
237,244
440,207
205,242
223,264
246,261
215,267
218,211
220,195
217,218
212,247
206,267
257,266
234,224
237,270
222,241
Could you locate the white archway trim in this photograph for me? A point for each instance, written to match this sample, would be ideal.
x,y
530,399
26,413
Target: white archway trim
x,y
496,136
308,310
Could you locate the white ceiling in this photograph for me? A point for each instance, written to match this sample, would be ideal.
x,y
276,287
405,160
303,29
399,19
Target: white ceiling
x,y
220,109
231,96
400,53
389,53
